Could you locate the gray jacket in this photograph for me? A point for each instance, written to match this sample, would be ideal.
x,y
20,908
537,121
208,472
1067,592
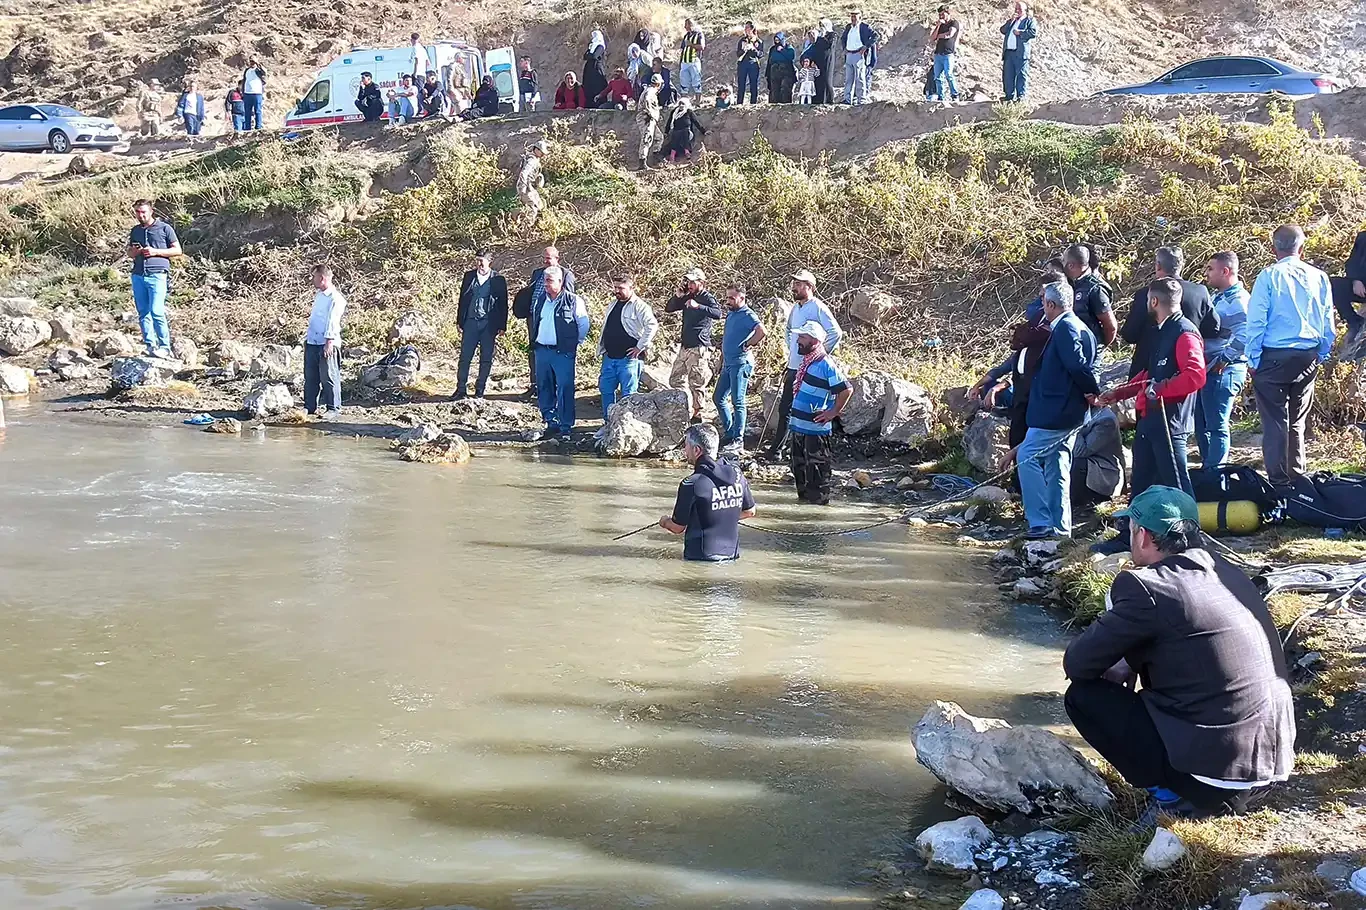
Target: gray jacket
x,y
1204,646
638,319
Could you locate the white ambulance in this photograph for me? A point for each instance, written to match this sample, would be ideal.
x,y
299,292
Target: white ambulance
x,y
332,97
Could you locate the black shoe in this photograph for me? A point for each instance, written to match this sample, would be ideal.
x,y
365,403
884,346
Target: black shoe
x,y
459,396
551,433
1115,545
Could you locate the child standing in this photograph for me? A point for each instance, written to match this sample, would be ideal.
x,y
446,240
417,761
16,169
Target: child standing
x,y
806,82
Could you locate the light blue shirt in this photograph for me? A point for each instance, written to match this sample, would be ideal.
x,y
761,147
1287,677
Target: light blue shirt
x,y
545,331
1291,307
1231,305
324,323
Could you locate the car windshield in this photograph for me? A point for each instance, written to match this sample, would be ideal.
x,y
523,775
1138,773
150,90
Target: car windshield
x,y
58,110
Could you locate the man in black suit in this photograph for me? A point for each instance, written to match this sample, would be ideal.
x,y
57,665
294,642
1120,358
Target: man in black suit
x,y
1214,720
1140,329
482,316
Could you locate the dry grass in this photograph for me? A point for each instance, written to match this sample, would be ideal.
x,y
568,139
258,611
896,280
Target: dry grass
x,y
1286,608
175,393
1289,545
1083,591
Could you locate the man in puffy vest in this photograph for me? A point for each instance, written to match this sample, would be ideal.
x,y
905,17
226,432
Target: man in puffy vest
x,y
559,321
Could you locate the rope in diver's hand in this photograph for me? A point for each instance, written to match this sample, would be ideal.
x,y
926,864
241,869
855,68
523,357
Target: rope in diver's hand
x,y
653,524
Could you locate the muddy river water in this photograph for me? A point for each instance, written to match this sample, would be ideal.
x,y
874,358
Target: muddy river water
x,y
288,671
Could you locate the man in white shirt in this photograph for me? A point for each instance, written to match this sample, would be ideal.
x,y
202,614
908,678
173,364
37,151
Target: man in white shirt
x,y
322,346
808,308
254,92
418,62
859,41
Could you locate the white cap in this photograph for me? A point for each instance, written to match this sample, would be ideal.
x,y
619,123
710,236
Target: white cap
x,y
814,329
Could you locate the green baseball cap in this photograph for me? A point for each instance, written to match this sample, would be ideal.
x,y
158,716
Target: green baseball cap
x,y
1158,508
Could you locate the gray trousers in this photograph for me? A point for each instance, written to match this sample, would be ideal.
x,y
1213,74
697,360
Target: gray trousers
x,y
477,333
1284,389
322,374
855,78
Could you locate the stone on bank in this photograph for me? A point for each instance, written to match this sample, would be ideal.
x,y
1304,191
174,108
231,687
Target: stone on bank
x,y
1165,851
1024,769
21,334
951,847
135,372
646,423
985,899
267,399
14,380
896,410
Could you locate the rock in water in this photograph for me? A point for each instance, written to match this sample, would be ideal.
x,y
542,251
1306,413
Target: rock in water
x,y
266,399
986,441
1164,852
21,334
646,423
1023,768
448,448
131,372
409,327
14,380
423,432
276,361
986,899
114,344
224,425
950,847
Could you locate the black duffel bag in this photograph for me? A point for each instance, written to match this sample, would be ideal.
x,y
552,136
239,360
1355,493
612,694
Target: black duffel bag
x,y
1327,500
1235,483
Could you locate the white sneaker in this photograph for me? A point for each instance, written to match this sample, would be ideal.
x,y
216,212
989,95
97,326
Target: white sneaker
x,y
331,414
600,435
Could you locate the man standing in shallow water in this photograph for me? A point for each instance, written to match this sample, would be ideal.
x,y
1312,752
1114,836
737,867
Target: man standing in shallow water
x,y
711,503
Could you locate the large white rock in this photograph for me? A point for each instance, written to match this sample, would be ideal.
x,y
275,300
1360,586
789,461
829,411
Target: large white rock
x,y
423,432
266,399
14,380
986,441
71,363
130,372
985,899
398,370
1262,901
654,377
1165,851
646,423
1003,767
185,350
870,306
21,334
1358,881
949,847
411,326
907,413
863,413
64,329
232,353
276,361
114,344
17,306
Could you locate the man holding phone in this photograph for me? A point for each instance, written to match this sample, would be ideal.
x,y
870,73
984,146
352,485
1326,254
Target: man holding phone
x,y
151,244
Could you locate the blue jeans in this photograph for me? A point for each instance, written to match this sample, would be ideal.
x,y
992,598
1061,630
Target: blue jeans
x,y
747,74
1014,75
322,374
239,122
555,387
1159,459
192,124
400,107
944,83
149,296
732,386
254,105
1044,478
1214,410
618,373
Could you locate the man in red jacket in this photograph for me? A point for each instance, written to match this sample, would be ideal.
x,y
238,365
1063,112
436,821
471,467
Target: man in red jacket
x,y
1175,371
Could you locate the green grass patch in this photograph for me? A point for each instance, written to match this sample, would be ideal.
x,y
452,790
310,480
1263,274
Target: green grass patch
x,y
1083,591
1049,152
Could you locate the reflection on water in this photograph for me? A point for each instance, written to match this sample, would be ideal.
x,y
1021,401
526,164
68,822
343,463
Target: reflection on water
x,y
289,672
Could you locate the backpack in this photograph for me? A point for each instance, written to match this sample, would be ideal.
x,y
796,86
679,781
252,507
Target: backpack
x,y
1234,483
1327,500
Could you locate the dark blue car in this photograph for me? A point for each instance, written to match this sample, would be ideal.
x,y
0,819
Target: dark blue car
x,y
1233,75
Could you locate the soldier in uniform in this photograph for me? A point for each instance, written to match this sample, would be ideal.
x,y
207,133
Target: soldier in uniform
x,y
531,180
647,118
149,109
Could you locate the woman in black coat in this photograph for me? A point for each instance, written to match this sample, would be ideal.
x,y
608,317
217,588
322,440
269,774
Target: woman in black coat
x,y
822,53
781,72
595,67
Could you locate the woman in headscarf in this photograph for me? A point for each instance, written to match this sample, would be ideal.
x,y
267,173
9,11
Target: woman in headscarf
x,y
640,63
570,96
667,93
782,70
486,98
683,127
595,65
821,53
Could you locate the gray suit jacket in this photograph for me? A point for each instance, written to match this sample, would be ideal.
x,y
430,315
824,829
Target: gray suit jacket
x,y
1204,646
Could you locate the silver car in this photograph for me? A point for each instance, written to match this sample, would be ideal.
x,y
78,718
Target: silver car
x,y
1233,75
56,127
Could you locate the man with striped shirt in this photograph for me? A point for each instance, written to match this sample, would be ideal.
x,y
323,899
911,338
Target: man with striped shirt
x,y
820,393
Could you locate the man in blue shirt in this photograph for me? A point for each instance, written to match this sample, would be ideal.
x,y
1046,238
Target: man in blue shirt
x,y
742,332
711,501
151,244
820,391
1289,333
1225,360
560,320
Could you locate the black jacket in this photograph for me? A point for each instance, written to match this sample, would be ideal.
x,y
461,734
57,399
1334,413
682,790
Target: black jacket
x,y
594,74
819,53
498,292
1356,262
1091,297
698,320
1139,329
369,102
1202,642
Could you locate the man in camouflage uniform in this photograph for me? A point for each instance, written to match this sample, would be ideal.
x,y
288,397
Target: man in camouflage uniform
x,y
149,109
647,118
531,180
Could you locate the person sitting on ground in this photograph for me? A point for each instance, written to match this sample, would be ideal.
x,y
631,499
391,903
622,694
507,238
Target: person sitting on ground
x,y
711,501
1349,294
528,85
781,70
368,100
403,101
683,130
430,95
1214,720
618,93
723,98
1091,292
485,101
820,393
570,96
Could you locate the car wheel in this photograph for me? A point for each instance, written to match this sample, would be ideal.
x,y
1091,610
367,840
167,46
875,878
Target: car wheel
x,y
59,142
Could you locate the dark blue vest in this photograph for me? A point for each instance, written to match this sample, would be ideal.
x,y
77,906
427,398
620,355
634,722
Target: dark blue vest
x,y
568,332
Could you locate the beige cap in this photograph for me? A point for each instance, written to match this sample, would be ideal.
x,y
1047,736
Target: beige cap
x,y
804,275
695,274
